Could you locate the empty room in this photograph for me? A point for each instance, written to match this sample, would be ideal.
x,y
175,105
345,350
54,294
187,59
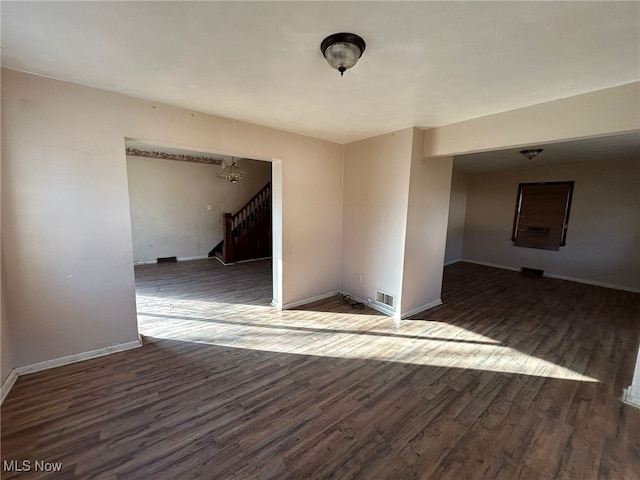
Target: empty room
x,y
307,240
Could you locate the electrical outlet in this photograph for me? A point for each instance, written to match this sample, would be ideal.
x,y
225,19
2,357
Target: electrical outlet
x,y
209,207
359,278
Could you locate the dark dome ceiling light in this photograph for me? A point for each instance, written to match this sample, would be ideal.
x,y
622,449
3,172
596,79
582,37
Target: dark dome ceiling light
x,y
531,153
342,50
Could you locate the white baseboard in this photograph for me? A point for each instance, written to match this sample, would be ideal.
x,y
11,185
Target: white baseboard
x,y
494,265
241,261
380,308
179,259
67,360
186,259
560,277
7,384
145,262
304,301
591,282
422,308
77,357
254,260
215,257
375,306
452,262
630,399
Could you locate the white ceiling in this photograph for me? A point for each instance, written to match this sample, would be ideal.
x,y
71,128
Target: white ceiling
x,y
426,63
609,148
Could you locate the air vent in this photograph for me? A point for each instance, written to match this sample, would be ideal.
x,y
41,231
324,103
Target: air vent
x,y
533,271
385,299
167,259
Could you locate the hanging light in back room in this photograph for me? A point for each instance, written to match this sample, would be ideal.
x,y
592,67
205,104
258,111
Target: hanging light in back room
x,y
531,153
232,172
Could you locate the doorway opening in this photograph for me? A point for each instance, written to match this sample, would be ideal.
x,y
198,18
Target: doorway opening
x,y
178,206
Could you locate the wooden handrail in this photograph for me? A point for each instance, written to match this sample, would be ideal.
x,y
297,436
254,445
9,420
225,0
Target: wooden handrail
x,y
227,245
266,187
236,225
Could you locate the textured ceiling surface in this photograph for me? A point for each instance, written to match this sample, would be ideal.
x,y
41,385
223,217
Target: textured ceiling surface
x,y
426,63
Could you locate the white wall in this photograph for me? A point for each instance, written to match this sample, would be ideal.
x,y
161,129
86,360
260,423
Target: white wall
x,y
429,192
603,238
457,211
6,355
168,201
376,192
66,238
67,249
395,220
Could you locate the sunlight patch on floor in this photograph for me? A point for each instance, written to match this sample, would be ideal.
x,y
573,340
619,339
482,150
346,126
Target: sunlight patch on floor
x,y
341,335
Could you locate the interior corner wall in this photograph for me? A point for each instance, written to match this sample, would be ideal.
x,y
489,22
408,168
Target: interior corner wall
x,y
428,211
168,201
457,210
6,343
603,237
376,189
66,237
6,355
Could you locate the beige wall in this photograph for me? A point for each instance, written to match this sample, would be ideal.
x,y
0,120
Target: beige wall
x,y
67,253
376,189
395,220
66,237
6,357
6,342
457,210
168,201
429,193
603,112
603,239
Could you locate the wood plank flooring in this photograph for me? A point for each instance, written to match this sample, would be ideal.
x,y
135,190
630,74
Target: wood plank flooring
x,y
514,377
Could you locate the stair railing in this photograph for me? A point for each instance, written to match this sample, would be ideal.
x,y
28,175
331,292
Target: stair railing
x,y
236,225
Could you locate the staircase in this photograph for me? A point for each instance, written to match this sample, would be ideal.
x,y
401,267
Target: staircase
x,y
247,233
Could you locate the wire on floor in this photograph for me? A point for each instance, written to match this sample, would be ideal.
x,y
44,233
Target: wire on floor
x,y
350,301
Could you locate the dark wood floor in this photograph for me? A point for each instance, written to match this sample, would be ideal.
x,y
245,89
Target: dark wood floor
x,y
514,377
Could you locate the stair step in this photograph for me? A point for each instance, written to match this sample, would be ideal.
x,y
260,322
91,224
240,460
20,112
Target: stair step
x,y
216,249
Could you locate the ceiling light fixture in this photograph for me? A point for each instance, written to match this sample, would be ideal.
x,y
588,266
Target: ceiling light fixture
x,y
232,172
531,153
342,50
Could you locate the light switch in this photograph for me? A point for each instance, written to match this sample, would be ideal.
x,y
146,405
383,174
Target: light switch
x,y
208,207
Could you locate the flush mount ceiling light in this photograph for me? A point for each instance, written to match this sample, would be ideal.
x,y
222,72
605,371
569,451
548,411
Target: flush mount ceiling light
x,y
342,50
232,172
531,153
